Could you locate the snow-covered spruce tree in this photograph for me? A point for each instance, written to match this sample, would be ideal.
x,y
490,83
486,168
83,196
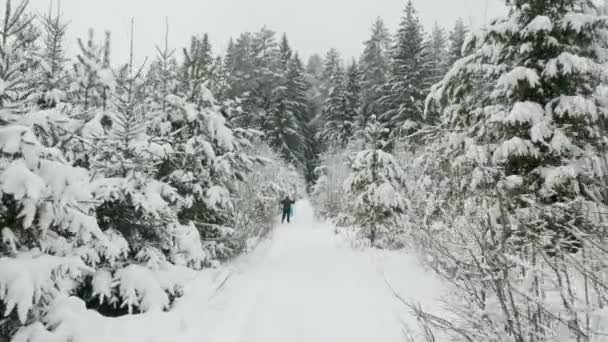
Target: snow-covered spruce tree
x,y
209,162
338,122
437,54
197,67
18,36
50,241
285,52
402,103
53,78
332,64
282,127
456,41
92,78
218,83
376,185
297,95
353,91
313,73
162,82
374,69
526,153
136,209
205,161
541,122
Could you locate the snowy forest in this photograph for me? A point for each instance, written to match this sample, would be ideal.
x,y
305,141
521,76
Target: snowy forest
x,y
482,152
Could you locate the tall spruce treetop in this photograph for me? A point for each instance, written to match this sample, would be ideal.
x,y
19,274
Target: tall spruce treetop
x,y
374,67
406,90
197,65
338,123
353,91
92,78
438,54
540,123
297,103
456,41
332,65
285,51
53,78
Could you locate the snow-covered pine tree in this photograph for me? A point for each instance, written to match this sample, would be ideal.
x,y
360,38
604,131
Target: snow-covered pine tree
x,y
297,96
53,83
196,68
438,54
92,79
162,82
541,119
338,123
285,52
314,71
353,91
376,185
456,41
527,151
282,127
18,36
332,64
218,84
404,93
374,67
50,241
255,75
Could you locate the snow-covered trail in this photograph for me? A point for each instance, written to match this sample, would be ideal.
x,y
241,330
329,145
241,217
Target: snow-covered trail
x,y
304,284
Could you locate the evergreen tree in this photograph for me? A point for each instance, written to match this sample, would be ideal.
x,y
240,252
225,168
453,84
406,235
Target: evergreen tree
x,y
282,127
162,81
332,64
92,76
376,184
539,120
197,67
297,89
297,93
54,75
18,36
405,92
374,68
314,66
314,71
353,91
338,122
438,54
456,41
285,52
219,83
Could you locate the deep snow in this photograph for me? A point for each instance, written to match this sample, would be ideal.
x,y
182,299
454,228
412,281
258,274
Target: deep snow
x,y
303,284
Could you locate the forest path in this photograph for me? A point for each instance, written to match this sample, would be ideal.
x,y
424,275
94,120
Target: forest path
x,y
305,284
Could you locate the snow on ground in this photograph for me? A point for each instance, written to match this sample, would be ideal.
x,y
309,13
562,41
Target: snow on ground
x,y
304,284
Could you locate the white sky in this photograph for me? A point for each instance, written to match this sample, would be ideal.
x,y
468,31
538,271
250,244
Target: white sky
x,y
313,26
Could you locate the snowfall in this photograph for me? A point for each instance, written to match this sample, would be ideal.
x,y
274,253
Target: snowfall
x,y
304,283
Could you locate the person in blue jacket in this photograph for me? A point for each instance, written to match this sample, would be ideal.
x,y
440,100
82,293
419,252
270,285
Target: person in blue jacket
x,y
286,204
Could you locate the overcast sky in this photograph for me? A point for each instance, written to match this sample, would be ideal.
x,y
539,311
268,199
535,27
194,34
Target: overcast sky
x,y
313,26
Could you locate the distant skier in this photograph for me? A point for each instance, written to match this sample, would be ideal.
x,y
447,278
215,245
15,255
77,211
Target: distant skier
x,y
286,204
